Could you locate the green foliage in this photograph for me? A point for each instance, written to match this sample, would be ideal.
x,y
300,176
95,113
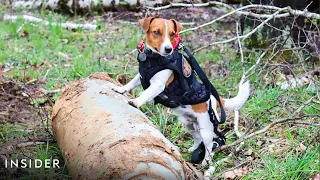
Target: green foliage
x,y
10,131
41,49
293,166
43,153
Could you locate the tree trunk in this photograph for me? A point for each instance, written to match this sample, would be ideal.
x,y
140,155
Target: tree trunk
x,y
102,137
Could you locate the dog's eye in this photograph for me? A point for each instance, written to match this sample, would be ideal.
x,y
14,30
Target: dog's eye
x,y
172,35
156,32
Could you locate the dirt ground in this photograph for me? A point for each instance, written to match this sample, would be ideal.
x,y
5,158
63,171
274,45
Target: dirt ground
x,y
22,105
15,102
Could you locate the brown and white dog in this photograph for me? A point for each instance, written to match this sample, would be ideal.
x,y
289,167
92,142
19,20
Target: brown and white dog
x,y
160,38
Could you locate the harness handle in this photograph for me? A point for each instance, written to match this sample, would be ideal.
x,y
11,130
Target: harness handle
x,y
199,153
206,83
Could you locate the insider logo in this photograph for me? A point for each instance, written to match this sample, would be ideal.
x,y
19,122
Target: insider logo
x,y
32,163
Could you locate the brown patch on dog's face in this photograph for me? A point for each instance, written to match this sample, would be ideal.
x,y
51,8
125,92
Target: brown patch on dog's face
x,y
200,108
156,34
160,33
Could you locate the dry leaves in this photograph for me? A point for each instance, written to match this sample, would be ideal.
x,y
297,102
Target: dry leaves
x,y
236,173
248,152
122,79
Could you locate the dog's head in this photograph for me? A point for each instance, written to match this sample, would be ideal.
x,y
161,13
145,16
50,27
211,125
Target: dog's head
x,y
160,34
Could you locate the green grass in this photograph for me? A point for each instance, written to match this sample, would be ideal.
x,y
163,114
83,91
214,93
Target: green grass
x,y
10,131
293,166
39,51
105,49
41,152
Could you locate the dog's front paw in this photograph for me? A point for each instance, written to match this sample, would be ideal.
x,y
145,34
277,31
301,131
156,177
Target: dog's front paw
x,y
134,103
118,89
204,162
190,150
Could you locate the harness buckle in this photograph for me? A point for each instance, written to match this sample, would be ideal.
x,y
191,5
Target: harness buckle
x,y
180,46
195,73
210,111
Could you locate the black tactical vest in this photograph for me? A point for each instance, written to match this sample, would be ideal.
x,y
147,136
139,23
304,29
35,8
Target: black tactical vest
x,y
185,89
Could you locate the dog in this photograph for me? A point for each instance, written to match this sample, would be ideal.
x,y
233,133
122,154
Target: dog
x,y
160,40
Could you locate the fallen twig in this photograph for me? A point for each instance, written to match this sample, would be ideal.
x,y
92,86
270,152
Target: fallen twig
x,y
29,144
303,105
197,174
212,169
308,124
52,91
66,25
264,130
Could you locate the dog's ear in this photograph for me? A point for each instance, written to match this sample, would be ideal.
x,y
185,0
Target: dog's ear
x,y
177,25
145,23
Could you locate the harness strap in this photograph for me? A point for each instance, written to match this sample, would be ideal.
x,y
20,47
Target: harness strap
x,y
207,83
199,153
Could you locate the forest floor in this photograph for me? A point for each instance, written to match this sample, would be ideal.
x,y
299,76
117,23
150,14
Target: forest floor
x,y
37,60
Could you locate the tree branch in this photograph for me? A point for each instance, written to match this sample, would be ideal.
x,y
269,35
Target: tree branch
x,y
264,130
243,36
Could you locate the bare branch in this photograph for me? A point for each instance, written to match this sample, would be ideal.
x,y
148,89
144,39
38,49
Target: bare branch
x,y
233,12
264,130
289,10
240,48
304,13
302,106
208,4
243,36
245,75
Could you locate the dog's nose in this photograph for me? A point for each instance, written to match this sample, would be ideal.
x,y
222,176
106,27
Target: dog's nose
x,y
168,49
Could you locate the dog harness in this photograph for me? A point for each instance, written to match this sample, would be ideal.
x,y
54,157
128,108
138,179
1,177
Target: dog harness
x,y
185,89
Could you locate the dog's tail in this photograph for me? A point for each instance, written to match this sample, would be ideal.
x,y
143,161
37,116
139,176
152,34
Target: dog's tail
x,y
242,96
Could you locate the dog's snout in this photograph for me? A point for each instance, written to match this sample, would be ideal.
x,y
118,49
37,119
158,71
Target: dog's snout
x,y
168,49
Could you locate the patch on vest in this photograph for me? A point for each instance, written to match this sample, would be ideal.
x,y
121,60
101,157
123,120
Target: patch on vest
x,y
186,68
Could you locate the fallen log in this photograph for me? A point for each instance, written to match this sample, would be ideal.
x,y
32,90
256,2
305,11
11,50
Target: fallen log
x,y
89,5
102,137
67,25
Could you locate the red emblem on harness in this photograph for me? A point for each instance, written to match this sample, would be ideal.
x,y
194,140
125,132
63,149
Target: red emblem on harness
x,y
186,68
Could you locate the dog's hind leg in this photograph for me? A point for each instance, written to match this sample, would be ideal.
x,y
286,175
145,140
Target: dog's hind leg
x,y
206,133
189,124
